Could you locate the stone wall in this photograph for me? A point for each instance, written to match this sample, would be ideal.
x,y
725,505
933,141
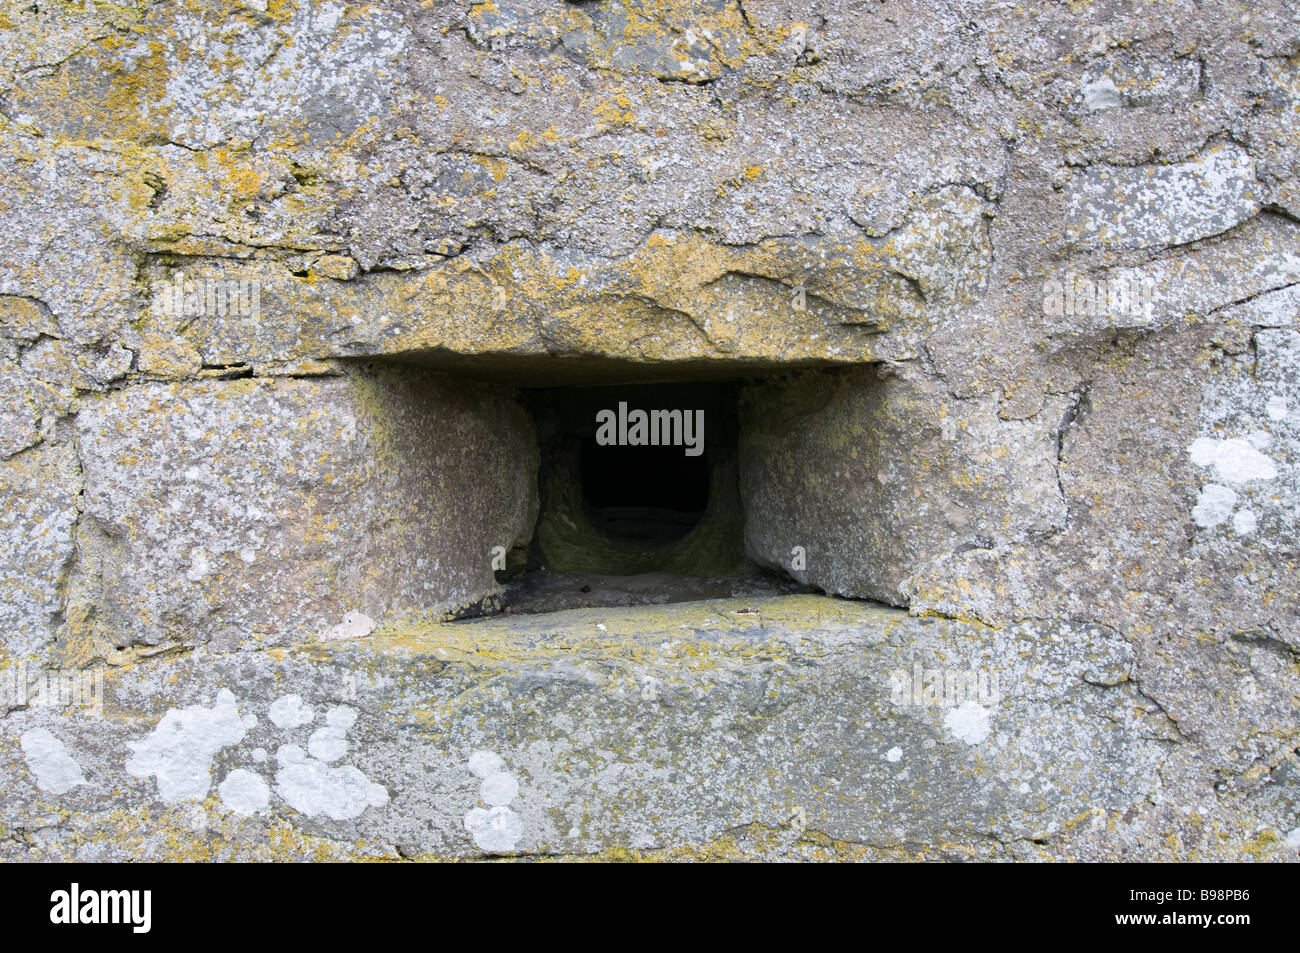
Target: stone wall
x,y
1012,297
259,511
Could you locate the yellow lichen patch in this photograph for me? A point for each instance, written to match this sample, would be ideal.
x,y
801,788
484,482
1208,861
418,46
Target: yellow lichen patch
x,y
694,636
611,115
175,834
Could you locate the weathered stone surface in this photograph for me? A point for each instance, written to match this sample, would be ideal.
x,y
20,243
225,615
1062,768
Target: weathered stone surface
x,y
873,475
41,488
264,510
647,729
19,418
538,192
678,296
1118,207
63,209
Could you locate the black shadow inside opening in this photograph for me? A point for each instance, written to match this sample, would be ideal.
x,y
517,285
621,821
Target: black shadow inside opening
x,y
644,494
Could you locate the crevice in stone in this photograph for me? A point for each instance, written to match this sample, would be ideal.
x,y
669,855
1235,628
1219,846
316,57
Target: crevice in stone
x,y
1251,297
225,371
1265,636
1080,404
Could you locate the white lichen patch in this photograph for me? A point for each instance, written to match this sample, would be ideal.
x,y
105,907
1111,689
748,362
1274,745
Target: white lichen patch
x,y
330,742
200,565
894,755
1213,505
1237,461
244,792
289,711
498,789
1100,94
178,753
312,787
355,625
49,761
968,723
495,829
485,763
1244,522
1234,460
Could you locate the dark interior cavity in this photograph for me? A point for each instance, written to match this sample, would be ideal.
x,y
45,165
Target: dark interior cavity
x,y
639,478
645,494
627,522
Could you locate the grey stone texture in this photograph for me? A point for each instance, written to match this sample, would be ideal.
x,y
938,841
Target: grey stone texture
x,y
1012,291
